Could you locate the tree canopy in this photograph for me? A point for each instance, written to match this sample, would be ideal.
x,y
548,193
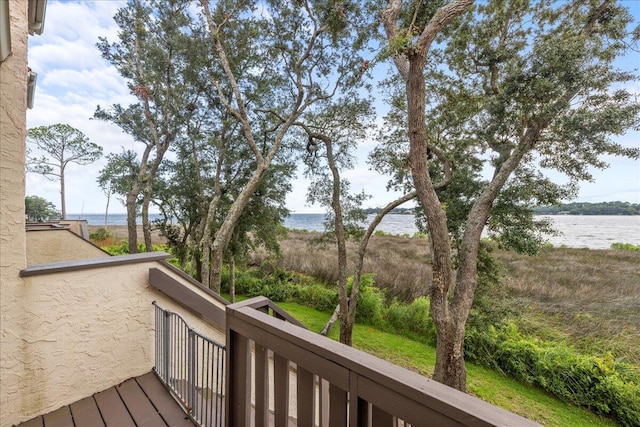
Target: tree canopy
x,y
40,209
513,89
63,144
484,101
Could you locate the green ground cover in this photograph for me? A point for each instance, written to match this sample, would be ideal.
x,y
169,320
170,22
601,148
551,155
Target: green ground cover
x,y
484,383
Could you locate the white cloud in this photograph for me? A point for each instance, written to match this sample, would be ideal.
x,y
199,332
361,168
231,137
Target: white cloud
x,y
73,79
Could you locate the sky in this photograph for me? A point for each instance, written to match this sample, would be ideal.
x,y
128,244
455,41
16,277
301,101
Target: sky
x,y
73,79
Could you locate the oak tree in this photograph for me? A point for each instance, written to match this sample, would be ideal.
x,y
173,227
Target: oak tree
x,y
514,88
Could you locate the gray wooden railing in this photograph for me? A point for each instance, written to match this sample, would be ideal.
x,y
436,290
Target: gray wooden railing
x,y
280,374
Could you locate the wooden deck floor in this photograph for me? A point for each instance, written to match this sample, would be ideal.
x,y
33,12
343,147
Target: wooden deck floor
x,y
137,402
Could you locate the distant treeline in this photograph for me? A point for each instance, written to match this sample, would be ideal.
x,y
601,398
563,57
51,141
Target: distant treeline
x,y
602,208
396,211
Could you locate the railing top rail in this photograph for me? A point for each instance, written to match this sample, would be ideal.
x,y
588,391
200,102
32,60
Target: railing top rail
x,y
260,303
302,346
189,327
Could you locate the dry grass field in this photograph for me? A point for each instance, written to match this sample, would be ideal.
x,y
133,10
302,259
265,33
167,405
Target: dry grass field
x,y
590,298
587,298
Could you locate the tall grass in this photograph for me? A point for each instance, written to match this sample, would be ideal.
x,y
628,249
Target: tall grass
x,y
400,265
587,298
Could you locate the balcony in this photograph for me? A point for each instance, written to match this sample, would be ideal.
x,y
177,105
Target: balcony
x,y
145,342
277,373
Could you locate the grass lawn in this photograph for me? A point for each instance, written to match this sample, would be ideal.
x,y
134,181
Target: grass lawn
x,y
484,383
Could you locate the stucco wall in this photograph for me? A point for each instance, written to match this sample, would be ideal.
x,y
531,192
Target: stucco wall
x,y
82,332
45,246
13,105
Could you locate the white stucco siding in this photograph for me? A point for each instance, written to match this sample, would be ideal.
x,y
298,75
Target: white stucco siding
x,y
82,332
13,105
45,246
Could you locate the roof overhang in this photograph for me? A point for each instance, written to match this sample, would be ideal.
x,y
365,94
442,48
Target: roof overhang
x,y
37,9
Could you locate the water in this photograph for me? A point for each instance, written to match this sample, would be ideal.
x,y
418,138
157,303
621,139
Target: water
x,y
577,231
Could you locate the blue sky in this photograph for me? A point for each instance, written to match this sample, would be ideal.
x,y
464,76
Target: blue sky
x,y
73,79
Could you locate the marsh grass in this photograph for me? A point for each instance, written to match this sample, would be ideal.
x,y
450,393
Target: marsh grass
x,y
589,299
400,264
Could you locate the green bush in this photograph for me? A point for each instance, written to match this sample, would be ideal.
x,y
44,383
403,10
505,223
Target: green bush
x,y
617,246
370,306
101,234
413,320
599,383
316,296
122,248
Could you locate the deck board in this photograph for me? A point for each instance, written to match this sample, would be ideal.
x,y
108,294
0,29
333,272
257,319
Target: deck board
x,y
141,402
112,408
143,412
85,412
59,418
166,405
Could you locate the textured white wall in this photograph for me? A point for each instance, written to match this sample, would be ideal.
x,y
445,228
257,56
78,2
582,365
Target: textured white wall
x,y
45,246
62,336
82,332
13,106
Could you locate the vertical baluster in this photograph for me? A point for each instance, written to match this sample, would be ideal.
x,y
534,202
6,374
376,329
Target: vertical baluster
x,y
208,381
337,406
281,390
221,359
165,342
324,403
238,389
191,372
261,386
306,397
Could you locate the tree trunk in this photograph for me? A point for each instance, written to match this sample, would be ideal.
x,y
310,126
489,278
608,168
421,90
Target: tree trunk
x,y
357,276
332,320
437,223
232,279
132,228
224,233
204,251
106,209
450,368
146,226
63,202
346,325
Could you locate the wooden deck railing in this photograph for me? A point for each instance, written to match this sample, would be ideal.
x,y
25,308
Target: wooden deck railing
x,y
320,382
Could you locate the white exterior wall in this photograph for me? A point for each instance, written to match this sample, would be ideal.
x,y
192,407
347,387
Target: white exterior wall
x,y
45,246
13,106
82,332
63,336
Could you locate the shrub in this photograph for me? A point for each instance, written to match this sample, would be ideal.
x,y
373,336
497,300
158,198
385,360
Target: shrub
x,y
316,296
617,246
101,234
370,306
596,382
122,248
413,320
